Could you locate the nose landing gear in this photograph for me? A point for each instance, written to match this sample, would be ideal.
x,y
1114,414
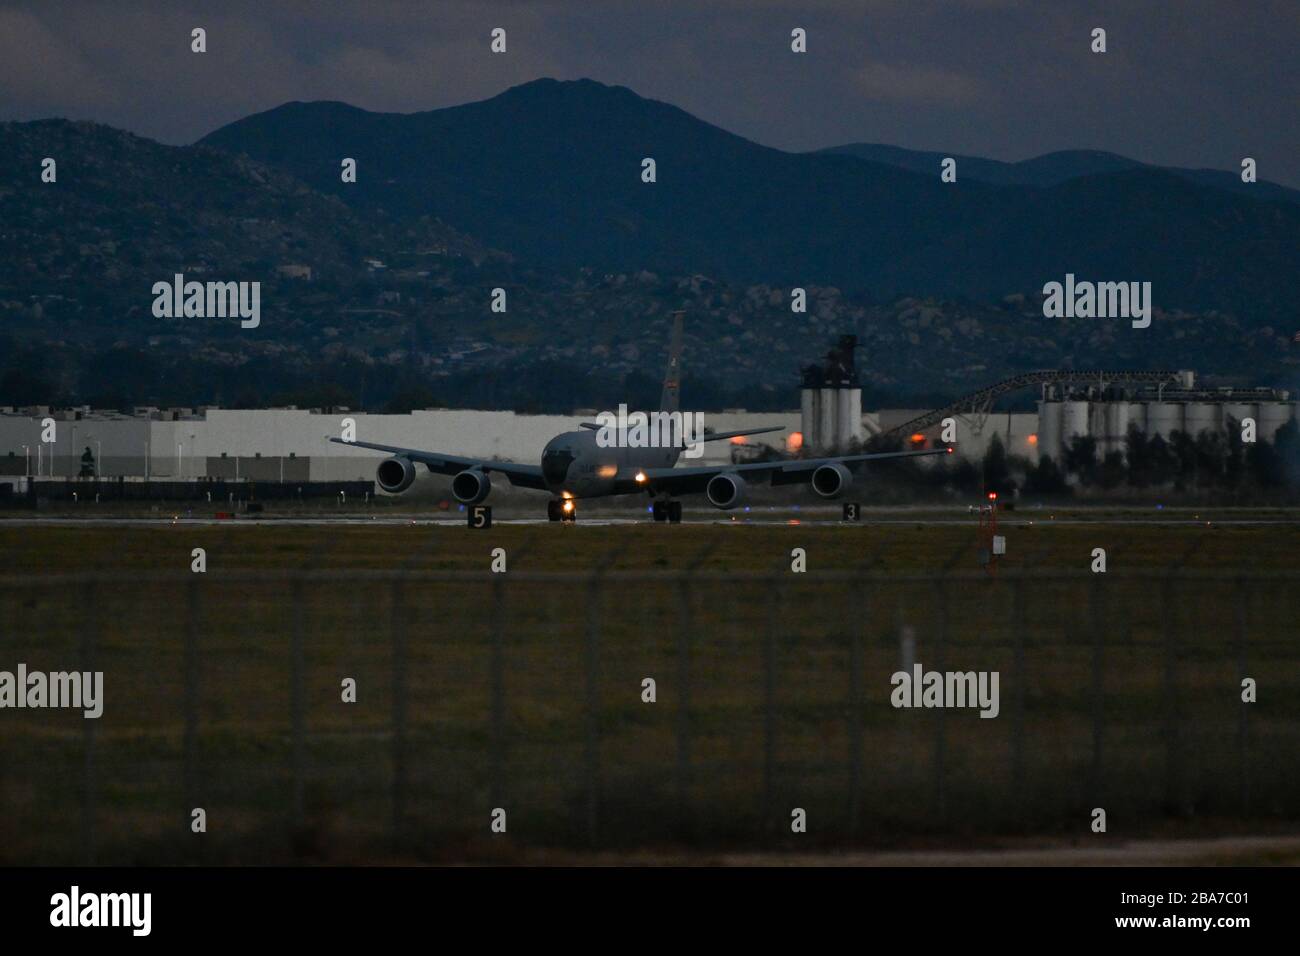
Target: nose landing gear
x,y
562,509
670,511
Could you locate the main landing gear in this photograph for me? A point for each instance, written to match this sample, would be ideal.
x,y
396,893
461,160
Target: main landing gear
x,y
670,511
562,509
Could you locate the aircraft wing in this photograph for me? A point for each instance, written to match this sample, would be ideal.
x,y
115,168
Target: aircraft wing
x,y
677,481
526,476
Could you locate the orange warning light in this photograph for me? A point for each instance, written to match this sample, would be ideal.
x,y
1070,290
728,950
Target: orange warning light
x,y
795,441
1032,439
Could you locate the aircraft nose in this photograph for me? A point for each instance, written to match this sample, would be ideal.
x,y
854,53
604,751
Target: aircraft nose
x,y
555,465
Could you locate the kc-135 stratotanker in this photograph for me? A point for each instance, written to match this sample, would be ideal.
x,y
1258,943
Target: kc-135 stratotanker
x,y
576,465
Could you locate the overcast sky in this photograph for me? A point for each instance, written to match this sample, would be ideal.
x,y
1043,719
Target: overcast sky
x,y
1185,82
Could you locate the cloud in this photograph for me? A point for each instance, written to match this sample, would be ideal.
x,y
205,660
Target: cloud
x,y
34,59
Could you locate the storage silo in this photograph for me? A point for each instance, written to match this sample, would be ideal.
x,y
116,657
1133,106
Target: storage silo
x,y
808,417
848,416
1049,430
1272,416
1201,417
1097,424
1074,422
1116,427
825,419
1164,418
831,403
1234,413
1137,415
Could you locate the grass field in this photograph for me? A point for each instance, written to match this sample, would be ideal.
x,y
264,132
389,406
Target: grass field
x,y
523,690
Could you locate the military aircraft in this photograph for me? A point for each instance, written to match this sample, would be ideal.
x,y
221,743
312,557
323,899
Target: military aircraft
x,y
593,463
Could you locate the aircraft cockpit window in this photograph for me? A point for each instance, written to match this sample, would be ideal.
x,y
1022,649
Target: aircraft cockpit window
x,y
555,465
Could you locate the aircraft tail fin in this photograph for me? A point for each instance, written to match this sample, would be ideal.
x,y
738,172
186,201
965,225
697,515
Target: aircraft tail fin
x,y
669,401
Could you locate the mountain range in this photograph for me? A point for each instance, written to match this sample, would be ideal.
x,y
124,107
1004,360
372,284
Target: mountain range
x,y
1052,169
538,192
550,172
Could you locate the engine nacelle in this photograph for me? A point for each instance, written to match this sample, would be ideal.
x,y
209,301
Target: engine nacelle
x,y
725,491
831,481
471,486
395,475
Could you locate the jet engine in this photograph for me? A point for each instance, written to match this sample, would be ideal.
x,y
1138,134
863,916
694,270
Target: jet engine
x,y
395,475
830,481
471,486
725,491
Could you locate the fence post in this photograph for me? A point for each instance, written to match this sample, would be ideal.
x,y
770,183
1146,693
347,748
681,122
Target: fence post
x,y
1171,696
769,705
88,770
191,679
856,705
498,686
1018,697
399,711
940,725
1098,685
592,746
1243,711
297,702
685,626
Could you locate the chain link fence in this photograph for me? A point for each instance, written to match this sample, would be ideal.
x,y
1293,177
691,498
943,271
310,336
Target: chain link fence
x,y
527,692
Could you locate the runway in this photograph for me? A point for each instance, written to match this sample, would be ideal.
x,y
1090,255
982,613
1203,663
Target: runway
x,y
776,518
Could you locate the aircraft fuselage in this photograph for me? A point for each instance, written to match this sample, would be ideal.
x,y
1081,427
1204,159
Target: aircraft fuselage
x,y
574,465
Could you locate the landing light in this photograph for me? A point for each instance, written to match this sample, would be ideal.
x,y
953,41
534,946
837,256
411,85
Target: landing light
x,y
568,504
640,476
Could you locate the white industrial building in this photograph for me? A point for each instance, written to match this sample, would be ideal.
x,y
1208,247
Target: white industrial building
x,y
291,444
